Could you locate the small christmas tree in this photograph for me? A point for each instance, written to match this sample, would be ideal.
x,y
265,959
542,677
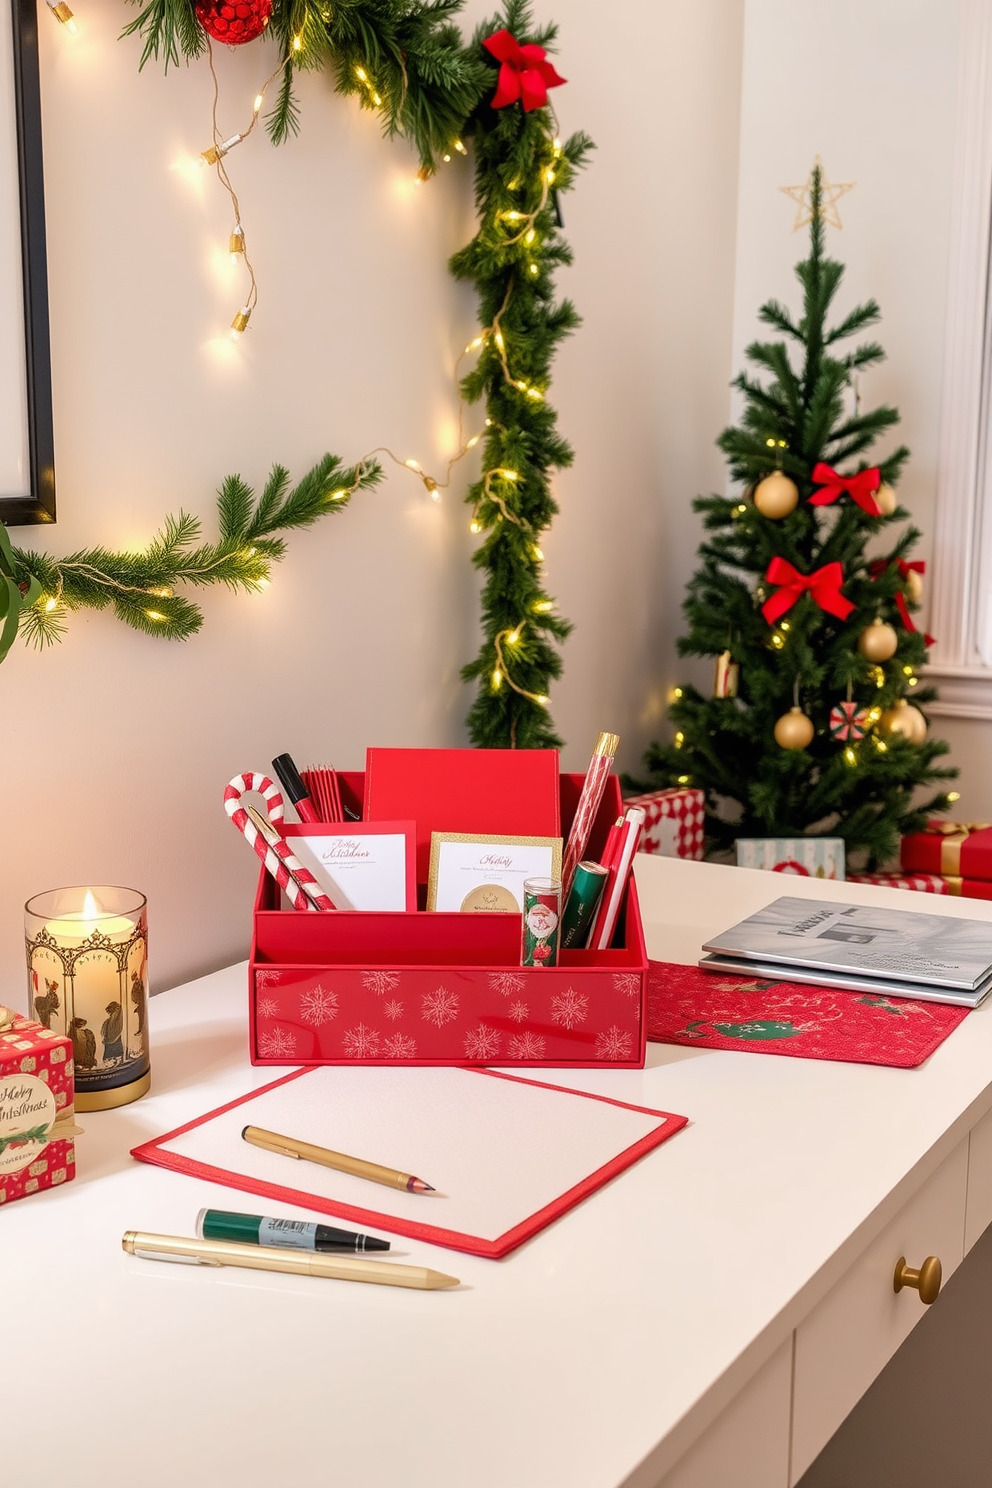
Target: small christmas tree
x,y
815,727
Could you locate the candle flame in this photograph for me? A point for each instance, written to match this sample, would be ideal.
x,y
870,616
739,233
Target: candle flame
x,y
90,910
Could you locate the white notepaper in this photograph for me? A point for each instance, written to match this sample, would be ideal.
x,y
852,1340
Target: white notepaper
x,y
498,1150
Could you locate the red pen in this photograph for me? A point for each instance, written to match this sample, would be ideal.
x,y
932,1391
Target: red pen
x,y
289,779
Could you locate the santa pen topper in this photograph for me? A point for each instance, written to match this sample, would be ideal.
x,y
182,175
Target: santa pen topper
x,y
585,813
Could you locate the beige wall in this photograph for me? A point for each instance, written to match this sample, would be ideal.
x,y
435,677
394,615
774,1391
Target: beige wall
x,y
116,747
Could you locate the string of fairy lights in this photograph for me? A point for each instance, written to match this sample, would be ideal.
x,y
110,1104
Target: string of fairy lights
x,y
501,485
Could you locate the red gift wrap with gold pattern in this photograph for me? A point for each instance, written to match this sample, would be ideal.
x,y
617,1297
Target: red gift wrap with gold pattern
x,y
36,1108
424,988
952,849
673,823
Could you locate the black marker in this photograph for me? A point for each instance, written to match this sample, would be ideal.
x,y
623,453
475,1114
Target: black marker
x,y
292,784
290,1234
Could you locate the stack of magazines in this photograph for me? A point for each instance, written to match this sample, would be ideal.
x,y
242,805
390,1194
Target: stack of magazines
x,y
860,948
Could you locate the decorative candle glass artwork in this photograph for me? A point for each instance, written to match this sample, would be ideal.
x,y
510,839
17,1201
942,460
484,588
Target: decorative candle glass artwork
x,y
87,953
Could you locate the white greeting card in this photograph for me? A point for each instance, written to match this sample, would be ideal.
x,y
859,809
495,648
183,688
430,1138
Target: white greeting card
x,y
484,873
359,865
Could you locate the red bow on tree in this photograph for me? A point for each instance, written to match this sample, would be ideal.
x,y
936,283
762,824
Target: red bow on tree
x,y
861,487
917,566
823,585
525,74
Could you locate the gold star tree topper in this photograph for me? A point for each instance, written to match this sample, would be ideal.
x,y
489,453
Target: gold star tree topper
x,y
830,195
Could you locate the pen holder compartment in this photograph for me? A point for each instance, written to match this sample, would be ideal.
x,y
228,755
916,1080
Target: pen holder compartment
x,y
419,988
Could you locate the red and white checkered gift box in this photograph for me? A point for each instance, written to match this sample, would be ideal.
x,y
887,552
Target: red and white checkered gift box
x,y
673,824
36,1107
923,883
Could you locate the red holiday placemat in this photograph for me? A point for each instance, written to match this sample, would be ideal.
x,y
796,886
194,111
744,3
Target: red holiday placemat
x,y
717,1010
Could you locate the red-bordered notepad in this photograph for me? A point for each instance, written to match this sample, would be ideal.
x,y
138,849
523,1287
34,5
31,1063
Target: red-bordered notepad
x,y
507,1154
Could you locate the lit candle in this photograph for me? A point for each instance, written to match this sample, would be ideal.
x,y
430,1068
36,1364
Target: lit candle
x,y
88,978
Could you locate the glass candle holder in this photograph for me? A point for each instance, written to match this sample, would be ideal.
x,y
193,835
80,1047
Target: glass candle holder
x,y
87,953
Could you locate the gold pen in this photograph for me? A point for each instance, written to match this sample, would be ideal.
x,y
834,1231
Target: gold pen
x,y
267,1258
357,1166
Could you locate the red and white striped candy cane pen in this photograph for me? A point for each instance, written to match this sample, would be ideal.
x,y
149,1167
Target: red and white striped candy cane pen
x,y
299,884
585,813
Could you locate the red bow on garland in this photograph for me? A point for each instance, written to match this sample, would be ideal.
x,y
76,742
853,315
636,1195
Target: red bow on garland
x,y
917,566
524,73
823,585
861,487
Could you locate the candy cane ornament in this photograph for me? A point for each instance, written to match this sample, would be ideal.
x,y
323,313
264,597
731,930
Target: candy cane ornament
x,y
298,883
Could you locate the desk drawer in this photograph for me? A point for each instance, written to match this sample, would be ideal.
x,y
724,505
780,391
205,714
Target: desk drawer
x,y
748,1445
979,1215
849,1338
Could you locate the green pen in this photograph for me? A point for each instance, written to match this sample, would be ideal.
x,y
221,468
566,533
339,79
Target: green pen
x,y
290,1234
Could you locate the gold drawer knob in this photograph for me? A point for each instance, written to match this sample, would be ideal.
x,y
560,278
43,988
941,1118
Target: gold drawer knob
x,y
926,1280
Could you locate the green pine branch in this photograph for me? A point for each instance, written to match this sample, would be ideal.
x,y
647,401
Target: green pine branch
x,y
140,586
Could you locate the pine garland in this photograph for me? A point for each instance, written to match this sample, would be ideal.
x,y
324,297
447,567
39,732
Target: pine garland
x,y
140,586
406,61
868,793
520,169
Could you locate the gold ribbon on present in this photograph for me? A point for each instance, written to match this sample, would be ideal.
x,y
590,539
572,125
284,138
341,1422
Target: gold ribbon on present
x,y
954,885
954,835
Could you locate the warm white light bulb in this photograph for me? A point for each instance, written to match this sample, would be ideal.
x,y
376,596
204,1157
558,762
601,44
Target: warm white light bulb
x,y
64,16
213,153
240,323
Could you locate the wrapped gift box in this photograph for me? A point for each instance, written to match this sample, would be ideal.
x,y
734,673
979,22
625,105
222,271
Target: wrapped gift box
x,y
810,857
436,988
36,1106
952,849
922,883
968,888
673,822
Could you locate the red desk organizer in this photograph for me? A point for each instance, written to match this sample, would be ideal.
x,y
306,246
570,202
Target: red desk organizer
x,y
421,989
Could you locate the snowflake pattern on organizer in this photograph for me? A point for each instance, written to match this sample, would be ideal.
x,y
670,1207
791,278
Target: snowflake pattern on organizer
x,y
613,1044
380,982
527,1046
482,1043
318,1006
556,1016
361,1042
265,977
439,1007
276,1043
627,982
506,983
399,1046
569,1009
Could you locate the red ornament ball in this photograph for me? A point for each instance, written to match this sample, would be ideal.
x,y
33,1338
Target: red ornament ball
x,y
234,21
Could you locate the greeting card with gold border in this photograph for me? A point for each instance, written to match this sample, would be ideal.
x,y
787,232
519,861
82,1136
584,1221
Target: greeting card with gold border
x,y
473,871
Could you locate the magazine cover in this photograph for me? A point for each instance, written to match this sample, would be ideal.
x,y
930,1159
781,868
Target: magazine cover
x,y
900,944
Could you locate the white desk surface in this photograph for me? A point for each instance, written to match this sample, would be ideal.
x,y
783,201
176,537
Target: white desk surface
x,y
590,1358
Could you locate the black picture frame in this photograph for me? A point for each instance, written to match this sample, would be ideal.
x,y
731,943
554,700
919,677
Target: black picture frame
x,y
37,503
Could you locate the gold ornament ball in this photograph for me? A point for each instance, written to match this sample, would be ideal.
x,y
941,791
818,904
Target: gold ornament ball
x,y
906,720
914,586
794,730
878,642
776,496
886,499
